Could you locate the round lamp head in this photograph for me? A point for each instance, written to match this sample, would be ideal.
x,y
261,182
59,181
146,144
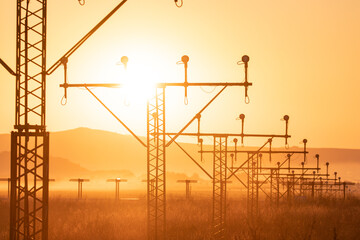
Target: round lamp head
x,y
124,60
245,58
185,59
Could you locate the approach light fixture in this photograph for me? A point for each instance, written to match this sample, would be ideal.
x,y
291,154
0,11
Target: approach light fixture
x,y
124,60
245,58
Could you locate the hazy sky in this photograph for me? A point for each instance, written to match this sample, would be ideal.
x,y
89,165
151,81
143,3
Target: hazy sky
x,y
304,62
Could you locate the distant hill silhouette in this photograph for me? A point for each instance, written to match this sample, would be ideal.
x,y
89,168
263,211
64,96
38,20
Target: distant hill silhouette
x,y
60,168
84,152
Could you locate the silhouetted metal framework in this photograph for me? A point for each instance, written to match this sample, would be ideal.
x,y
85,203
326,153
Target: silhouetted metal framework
x,y
331,187
297,181
220,170
274,186
156,145
268,179
30,141
253,185
80,182
117,186
219,187
187,187
345,186
253,165
156,200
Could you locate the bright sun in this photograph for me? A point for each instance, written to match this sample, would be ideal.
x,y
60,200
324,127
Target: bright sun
x,y
139,83
143,70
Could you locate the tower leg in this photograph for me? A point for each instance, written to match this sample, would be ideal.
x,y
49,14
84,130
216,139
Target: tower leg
x,y
29,186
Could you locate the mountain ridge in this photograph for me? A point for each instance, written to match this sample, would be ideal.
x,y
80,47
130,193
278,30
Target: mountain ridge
x,y
86,151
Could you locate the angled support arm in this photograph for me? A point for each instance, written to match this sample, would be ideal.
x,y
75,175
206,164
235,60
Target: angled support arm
x,y
7,67
121,122
86,37
193,159
195,117
233,173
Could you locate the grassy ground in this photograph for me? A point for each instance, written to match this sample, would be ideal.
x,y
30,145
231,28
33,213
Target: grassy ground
x,y
106,219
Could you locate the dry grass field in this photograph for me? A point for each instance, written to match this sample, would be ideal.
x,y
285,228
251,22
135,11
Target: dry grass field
x,y
105,219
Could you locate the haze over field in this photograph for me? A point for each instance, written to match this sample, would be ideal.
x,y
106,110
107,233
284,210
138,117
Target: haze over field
x,y
99,154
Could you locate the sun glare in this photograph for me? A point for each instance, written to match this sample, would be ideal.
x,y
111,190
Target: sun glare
x,y
138,83
138,77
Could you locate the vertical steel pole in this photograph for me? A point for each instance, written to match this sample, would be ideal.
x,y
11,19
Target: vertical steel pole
x,y
117,189
187,190
271,186
79,189
278,184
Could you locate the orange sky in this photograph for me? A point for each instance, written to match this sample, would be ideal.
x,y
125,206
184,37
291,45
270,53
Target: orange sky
x,y
304,59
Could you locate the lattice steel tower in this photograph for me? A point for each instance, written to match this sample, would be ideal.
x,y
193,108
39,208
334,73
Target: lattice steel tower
x,y
219,187
253,185
156,199
30,141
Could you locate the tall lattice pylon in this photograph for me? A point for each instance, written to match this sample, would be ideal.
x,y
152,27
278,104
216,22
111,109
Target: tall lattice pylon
x,y
30,141
219,187
253,185
156,199
274,186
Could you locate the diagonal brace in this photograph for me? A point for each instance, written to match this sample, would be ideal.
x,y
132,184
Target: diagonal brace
x,y
7,67
233,173
81,41
192,159
195,117
117,118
